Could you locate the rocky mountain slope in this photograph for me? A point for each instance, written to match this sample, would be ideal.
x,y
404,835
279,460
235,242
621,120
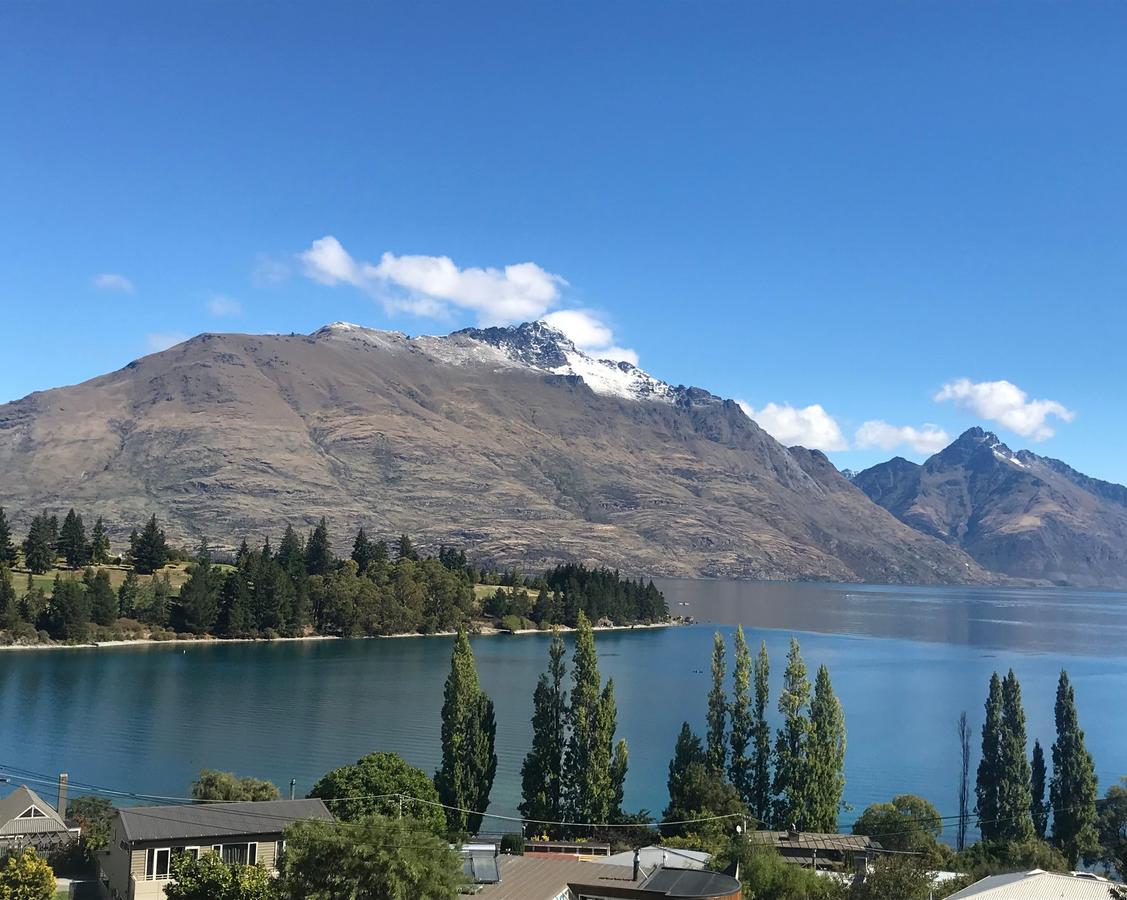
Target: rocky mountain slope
x,y
1017,513
510,442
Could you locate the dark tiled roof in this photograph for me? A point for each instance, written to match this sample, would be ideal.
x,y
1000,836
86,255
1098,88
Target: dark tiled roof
x,y
687,883
208,820
809,840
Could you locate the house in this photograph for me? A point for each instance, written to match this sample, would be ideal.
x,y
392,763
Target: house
x,y
815,850
27,821
651,857
144,840
1040,885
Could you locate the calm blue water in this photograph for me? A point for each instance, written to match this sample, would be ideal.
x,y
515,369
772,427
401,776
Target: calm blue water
x,y
905,662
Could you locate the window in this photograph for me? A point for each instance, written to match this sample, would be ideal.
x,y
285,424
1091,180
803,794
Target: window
x,y
193,852
32,812
279,853
158,861
239,854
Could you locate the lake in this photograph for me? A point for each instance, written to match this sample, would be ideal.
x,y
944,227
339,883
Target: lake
x,y
904,661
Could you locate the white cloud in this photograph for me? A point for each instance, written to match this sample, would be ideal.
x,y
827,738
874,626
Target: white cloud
x,y
111,281
433,286
878,433
810,426
269,272
222,306
1008,405
162,340
590,334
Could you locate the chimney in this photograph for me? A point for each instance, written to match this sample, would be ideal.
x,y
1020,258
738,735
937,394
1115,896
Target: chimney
x,y
62,805
637,864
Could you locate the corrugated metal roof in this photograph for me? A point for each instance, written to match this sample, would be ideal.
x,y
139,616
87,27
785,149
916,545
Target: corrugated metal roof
x,y
20,801
207,820
1037,885
542,878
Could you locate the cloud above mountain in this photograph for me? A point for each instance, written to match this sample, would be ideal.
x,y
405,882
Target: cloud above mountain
x,y
1008,405
878,433
809,426
590,334
113,281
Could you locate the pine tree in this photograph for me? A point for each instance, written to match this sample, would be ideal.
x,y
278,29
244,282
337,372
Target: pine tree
x,y
688,753
542,770
405,549
988,780
740,766
717,717
199,597
825,756
103,601
67,616
234,618
7,548
791,771
1072,791
127,595
73,546
99,544
38,548
381,554
1015,797
291,554
760,799
150,550
469,761
363,552
319,551
1039,811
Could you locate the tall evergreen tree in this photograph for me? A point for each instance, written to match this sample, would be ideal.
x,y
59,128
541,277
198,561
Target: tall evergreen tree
x,y
1015,799
7,547
542,770
319,550
739,767
717,717
99,544
791,771
150,550
127,595
291,553
760,799
469,761
73,546
363,551
39,547
234,617
688,753
381,554
199,597
67,616
404,549
1072,791
9,604
825,753
989,778
103,601
1039,810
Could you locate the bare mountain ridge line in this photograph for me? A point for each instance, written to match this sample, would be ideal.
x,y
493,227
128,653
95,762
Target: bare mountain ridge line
x,y
481,438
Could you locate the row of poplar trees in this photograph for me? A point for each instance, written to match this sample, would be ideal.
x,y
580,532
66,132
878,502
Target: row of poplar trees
x,y
1010,789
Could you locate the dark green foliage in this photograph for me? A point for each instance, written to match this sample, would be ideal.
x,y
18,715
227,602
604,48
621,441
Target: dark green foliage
x,y
716,748
127,595
152,605
740,739
989,779
1039,809
39,547
542,770
909,824
67,615
199,597
9,603
602,593
1015,799
103,600
73,546
469,761
99,544
212,786
291,553
452,558
696,792
404,549
765,875
233,618
375,858
363,551
149,549
1072,792
791,772
1112,826
825,757
7,546
759,800
94,815
319,551
208,877
895,878
351,792
998,857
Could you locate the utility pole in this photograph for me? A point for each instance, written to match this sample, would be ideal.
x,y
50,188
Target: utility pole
x,y
293,785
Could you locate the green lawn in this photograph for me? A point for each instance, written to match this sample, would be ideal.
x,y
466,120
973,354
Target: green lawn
x,y
177,575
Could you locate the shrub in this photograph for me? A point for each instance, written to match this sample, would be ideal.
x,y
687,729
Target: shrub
x,y
512,843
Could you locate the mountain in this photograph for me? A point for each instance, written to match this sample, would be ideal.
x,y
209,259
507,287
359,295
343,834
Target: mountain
x,y
509,442
1019,514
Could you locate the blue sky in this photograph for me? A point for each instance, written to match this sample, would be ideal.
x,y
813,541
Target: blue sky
x,y
834,212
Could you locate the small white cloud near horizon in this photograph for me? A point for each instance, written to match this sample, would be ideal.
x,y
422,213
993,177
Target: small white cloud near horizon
x,y
1008,405
928,439
810,426
162,340
112,281
433,286
590,334
269,272
222,306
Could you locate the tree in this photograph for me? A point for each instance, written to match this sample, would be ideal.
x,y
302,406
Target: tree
x,y
717,718
67,616
38,548
698,793
759,800
199,597
542,770
149,551
791,773
740,739
127,595
404,549
1015,798
73,546
765,875
1113,829
319,550
103,600
363,551
963,731
94,816
469,761
9,605
99,544
895,878
351,792
212,786
208,877
375,858
1038,810
825,756
26,876
989,777
7,548
234,619
1072,791
909,824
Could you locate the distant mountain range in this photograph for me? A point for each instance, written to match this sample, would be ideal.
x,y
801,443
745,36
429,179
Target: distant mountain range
x,y
1018,514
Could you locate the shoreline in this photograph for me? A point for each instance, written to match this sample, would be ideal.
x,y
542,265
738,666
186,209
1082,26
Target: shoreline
x,y
485,631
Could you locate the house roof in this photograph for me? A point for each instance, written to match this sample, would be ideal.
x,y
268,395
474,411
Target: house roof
x,y
20,801
686,883
209,820
807,841
1037,885
545,878
651,857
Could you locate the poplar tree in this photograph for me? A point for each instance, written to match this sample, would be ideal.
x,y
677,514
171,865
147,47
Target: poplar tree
x,y
740,768
791,771
1072,791
988,779
99,544
760,799
469,761
72,541
1038,810
542,770
1015,798
825,756
717,717
7,548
